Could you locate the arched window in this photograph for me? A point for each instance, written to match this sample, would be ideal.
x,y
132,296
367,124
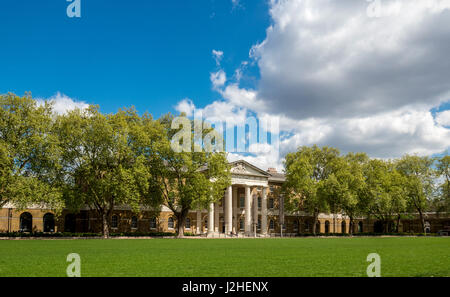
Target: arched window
x,y
170,223
70,223
26,222
114,221
188,223
134,222
241,224
153,223
327,227
360,227
49,222
271,225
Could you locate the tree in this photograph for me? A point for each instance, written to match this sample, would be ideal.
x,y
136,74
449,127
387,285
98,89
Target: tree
x,y
346,185
384,192
443,171
307,174
28,154
187,180
101,166
419,182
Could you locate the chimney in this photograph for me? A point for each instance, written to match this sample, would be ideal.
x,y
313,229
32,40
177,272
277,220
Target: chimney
x,y
272,170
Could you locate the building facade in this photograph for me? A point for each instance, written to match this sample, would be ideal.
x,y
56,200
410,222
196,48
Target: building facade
x,y
252,206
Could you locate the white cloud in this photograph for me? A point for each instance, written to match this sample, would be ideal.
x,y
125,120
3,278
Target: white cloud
x,y
62,103
218,79
187,106
217,55
443,118
327,58
334,76
386,135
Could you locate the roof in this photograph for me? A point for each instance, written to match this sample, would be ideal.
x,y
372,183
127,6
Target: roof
x,y
273,177
257,169
277,177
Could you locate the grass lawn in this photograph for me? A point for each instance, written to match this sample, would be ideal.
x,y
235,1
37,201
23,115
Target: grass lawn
x,y
228,257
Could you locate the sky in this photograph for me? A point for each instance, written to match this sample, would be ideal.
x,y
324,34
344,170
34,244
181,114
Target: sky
x,y
359,75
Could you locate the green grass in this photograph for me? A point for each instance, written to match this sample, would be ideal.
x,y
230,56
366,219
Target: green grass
x,y
228,257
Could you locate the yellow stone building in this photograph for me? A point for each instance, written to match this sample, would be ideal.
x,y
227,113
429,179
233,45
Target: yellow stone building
x,y
252,206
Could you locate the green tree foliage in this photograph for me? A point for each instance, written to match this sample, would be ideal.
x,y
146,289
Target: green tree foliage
x,y
308,175
346,185
384,195
187,180
29,154
443,173
102,166
419,183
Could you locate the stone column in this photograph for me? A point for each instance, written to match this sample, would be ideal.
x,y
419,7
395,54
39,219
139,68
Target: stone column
x,y
211,220
216,218
235,211
199,222
229,210
248,211
264,212
255,215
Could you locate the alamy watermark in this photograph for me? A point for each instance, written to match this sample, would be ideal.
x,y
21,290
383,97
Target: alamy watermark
x,y
74,268
74,9
374,268
245,135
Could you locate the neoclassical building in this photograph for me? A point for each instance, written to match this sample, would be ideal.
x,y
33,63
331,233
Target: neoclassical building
x,y
252,206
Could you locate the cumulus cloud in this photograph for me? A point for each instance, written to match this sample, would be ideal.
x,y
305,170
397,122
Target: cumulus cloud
x,y
386,135
62,103
340,74
218,78
443,118
327,58
187,106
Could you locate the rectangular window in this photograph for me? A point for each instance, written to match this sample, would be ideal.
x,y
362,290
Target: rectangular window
x,y
241,224
134,222
153,223
242,202
114,222
271,203
188,223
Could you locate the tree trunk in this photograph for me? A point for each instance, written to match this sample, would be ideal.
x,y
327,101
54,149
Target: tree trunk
x,y
422,220
351,226
314,223
105,225
181,220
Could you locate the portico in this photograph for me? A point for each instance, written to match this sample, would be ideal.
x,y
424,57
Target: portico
x,y
244,207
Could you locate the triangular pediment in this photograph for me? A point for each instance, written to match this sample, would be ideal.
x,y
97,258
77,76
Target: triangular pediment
x,y
242,167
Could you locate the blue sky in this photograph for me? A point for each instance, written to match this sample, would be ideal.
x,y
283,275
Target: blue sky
x,y
150,54
345,74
